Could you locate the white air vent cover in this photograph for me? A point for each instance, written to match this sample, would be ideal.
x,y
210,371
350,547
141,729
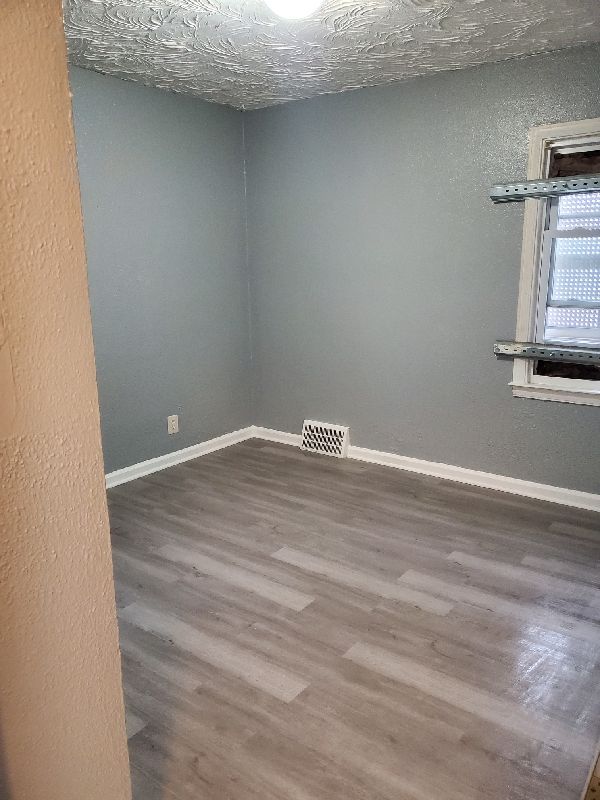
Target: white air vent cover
x,y
321,437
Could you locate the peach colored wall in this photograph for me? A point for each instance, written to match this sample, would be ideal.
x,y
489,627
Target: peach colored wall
x,y
61,709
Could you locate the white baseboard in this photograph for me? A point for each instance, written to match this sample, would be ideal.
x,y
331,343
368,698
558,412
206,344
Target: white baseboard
x,y
486,480
127,474
270,435
472,477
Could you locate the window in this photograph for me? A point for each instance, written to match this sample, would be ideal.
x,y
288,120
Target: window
x,y
559,293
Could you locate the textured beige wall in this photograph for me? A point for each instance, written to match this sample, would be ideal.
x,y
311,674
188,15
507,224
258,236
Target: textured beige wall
x,y
61,710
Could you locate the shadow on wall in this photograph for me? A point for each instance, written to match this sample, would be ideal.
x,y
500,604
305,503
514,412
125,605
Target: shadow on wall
x,y
5,790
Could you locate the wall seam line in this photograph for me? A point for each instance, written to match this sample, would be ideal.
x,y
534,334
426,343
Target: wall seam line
x,y
247,266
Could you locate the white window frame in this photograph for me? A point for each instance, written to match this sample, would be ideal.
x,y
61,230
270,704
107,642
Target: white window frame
x,y
525,383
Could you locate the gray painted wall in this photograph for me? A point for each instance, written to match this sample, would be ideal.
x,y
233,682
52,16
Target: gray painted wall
x,y
163,202
382,274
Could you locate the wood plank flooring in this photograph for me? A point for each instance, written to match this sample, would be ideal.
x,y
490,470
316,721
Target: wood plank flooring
x,y
295,627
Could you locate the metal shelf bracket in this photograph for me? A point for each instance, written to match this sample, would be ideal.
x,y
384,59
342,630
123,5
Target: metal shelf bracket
x,y
547,352
518,191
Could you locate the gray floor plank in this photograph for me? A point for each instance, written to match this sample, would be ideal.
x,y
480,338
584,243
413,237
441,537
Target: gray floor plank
x,y
295,627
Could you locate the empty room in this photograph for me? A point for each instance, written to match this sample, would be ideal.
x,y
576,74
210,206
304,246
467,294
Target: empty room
x,y
300,400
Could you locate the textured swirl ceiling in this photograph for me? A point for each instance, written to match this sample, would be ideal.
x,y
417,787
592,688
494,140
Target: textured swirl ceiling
x,y
239,53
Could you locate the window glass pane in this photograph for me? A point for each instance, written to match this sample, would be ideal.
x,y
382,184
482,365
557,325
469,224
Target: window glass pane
x,y
573,337
570,267
573,318
575,271
579,211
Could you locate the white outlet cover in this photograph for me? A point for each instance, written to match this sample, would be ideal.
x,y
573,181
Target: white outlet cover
x,y
173,424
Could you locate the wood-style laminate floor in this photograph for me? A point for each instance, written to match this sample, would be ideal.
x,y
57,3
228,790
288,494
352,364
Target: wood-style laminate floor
x,y
296,627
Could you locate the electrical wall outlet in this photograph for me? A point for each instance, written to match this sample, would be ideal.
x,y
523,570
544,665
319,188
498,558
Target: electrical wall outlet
x,y
173,424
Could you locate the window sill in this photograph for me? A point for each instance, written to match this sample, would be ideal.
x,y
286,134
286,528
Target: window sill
x,y
557,394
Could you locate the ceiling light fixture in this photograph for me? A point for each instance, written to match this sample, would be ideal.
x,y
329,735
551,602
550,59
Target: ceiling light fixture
x,y
293,9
